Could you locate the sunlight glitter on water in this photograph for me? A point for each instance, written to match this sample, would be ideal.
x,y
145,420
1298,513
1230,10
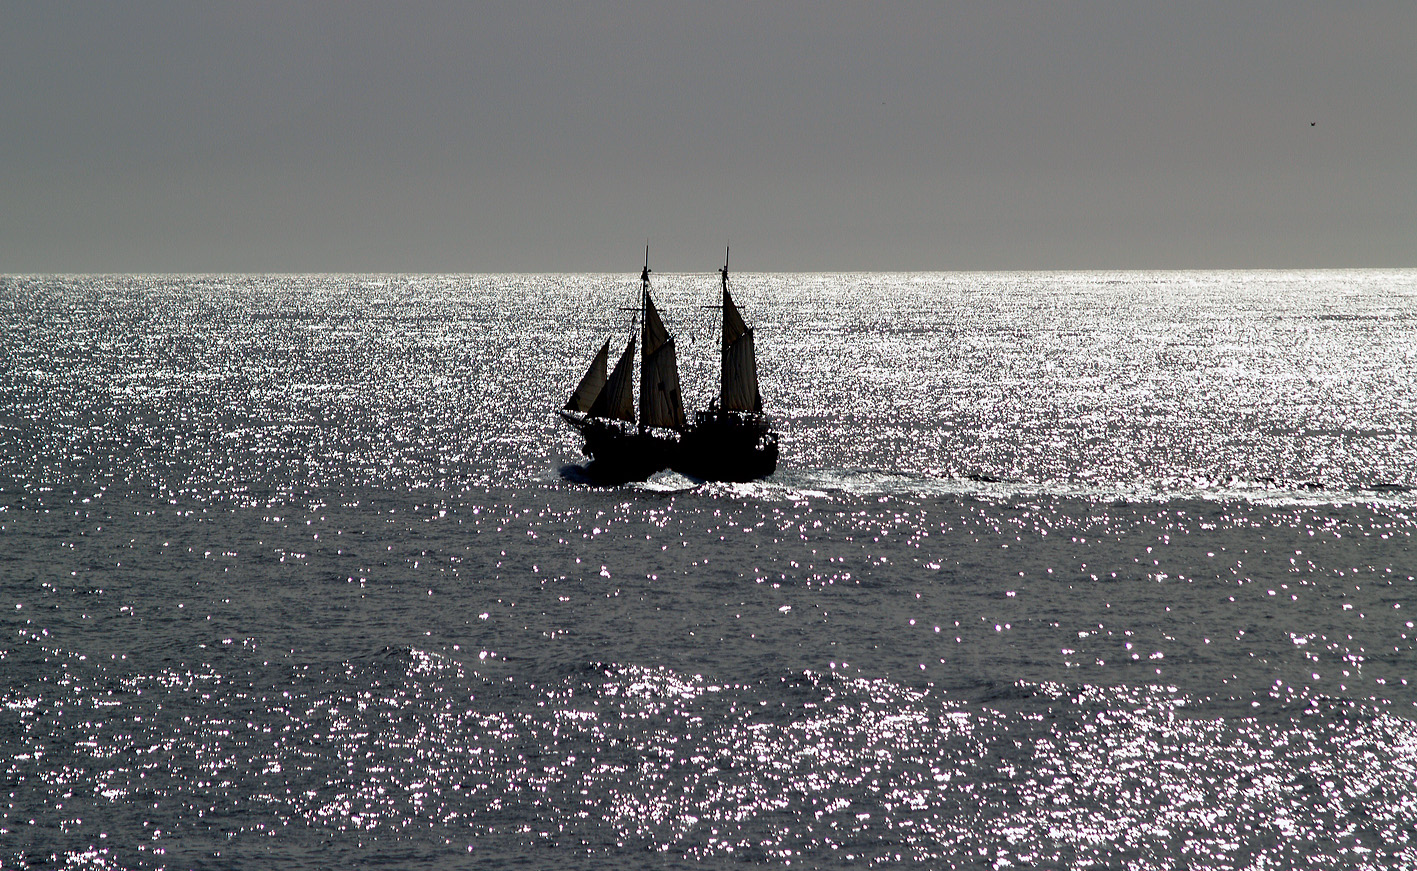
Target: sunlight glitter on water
x,y
1135,383
814,764
1056,570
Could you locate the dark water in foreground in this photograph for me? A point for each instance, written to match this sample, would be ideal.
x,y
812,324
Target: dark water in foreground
x,y
1109,570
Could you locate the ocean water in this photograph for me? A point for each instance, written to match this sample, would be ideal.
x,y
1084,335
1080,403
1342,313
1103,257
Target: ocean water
x,y
1109,570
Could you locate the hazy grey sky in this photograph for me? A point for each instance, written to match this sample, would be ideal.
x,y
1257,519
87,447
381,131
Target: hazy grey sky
x,y
558,136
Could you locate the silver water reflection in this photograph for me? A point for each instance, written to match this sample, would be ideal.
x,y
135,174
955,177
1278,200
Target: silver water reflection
x,y
706,676
1058,570
411,755
1113,382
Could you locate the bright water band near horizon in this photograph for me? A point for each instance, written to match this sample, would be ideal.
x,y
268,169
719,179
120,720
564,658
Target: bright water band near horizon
x,y
1058,569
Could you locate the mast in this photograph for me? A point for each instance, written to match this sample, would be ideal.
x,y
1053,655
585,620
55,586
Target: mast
x,y
644,302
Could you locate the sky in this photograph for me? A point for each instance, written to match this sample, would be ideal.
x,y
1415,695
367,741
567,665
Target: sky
x,y
815,136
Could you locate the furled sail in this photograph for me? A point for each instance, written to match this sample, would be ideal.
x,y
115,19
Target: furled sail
x,y
617,399
592,383
661,404
739,376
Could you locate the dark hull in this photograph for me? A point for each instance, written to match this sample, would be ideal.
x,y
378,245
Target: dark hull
x,y
620,451
727,446
719,447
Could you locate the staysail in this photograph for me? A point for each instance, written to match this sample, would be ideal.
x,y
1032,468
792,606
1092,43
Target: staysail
x,y
617,399
592,383
738,389
661,404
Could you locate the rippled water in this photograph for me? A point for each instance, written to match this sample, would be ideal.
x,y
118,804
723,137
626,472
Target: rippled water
x,y
1058,569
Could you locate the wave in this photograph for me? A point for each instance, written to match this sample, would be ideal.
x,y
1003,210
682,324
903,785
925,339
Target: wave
x,y
806,484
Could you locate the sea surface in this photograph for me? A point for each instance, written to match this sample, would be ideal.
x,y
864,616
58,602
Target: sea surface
x,y
1107,570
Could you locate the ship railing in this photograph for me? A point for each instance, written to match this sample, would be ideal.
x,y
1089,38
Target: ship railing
x,y
748,420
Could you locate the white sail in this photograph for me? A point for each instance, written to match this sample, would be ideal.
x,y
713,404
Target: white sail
x,y
617,399
738,378
592,383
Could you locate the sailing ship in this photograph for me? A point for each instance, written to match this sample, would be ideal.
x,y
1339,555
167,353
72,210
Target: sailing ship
x,y
602,407
731,441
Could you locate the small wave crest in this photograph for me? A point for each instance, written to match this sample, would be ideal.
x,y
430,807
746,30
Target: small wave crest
x,y
802,484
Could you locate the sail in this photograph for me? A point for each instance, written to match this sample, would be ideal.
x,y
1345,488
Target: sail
x,y
654,334
617,399
733,325
738,389
661,404
592,383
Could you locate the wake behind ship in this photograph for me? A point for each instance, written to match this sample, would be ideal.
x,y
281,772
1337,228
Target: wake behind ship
x,y
732,440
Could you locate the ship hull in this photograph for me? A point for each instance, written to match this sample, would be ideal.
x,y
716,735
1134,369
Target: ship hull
x,y
727,446
731,441
620,451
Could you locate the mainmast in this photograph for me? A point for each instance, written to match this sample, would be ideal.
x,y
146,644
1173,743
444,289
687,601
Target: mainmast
x,y
723,273
644,303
